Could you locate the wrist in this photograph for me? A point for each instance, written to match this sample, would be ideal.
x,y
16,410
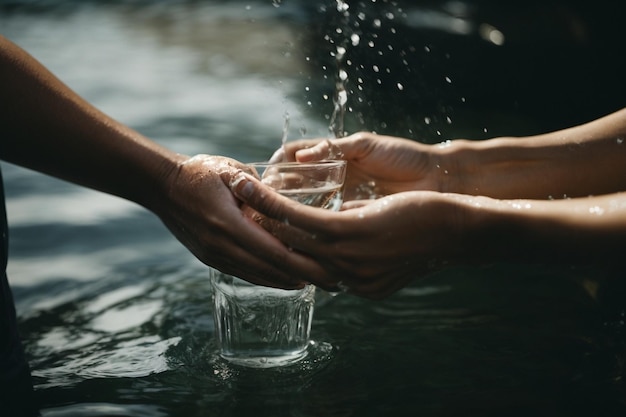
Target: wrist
x,y
163,174
504,167
482,227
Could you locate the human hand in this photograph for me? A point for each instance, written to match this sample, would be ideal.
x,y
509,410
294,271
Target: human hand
x,y
371,250
200,210
377,165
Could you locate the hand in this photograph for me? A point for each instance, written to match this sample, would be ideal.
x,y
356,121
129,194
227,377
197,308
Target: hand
x,y
377,165
202,213
372,250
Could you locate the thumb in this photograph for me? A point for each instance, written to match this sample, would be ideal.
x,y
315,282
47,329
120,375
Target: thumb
x,y
267,201
316,153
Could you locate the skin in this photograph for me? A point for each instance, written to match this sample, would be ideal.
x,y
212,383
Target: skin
x,y
48,128
552,198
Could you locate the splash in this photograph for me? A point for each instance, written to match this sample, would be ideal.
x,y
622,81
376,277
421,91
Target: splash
x,y
286,123
340,100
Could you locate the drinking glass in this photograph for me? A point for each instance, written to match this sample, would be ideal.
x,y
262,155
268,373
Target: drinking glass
x,y
259,326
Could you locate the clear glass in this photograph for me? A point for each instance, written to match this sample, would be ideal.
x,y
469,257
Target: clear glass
x,y
258,326
316,184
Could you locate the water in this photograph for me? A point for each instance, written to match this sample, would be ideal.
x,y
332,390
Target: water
x,y
116,315
328,197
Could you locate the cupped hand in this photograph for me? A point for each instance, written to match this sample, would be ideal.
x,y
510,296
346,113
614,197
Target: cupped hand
x,y
203,214
371,250
377,165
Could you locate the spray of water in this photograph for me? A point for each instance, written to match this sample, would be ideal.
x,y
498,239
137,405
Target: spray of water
x,y
340,100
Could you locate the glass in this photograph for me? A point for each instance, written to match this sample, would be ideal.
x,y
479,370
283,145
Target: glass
x,y
259,326
316,184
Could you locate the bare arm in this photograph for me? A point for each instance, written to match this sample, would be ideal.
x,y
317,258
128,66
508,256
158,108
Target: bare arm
x,y
584,160
377,248
589,159
48,128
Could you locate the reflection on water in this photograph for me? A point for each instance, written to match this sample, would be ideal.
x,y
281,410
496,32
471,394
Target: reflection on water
x,y
116,314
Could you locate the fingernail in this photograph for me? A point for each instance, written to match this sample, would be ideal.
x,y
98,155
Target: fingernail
x,y
247,189
240,190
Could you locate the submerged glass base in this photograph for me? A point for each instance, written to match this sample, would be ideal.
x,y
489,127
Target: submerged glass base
x,y
266,361
315,355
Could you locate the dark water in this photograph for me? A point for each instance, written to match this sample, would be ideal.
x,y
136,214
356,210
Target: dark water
x,y
116,315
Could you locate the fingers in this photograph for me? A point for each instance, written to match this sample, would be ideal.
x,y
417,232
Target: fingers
x,y
351,147
269,202
278,156
263,259
286,153
322,150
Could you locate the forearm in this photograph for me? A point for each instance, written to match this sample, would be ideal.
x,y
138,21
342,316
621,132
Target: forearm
x,y
584,160
48,128
571,231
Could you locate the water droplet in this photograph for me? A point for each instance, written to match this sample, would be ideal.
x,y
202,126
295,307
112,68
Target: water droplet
x,y
342,97
596,210
342,6
448,80
491,34
355,39
400,86
620,141
377,23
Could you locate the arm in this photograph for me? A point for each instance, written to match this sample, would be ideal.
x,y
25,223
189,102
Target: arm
x,y
589,159
48,128
377,248
583,160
